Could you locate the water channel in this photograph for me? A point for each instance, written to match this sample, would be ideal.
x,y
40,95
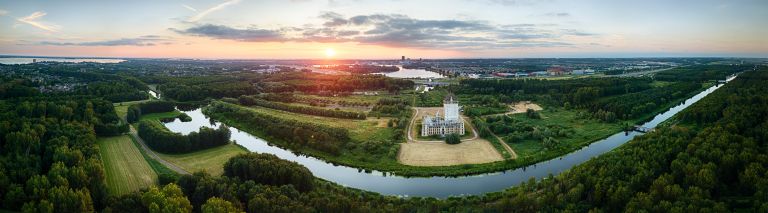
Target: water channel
x,y
440,187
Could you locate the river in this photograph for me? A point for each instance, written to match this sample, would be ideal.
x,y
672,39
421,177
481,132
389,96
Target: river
x,y
440,187
412,73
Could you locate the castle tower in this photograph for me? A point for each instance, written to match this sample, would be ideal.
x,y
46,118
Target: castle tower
x,y
451,107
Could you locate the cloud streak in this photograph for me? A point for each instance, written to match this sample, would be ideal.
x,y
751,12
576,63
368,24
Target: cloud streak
x,y
33,20
149,40
189,8
399,31
204,13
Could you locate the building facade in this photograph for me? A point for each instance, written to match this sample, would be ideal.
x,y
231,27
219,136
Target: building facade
x,y
449,123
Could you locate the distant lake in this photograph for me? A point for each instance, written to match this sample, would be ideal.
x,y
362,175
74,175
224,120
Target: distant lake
x,y
412,73
71,60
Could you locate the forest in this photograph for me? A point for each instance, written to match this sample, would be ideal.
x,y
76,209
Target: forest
x,y
49,159
160,139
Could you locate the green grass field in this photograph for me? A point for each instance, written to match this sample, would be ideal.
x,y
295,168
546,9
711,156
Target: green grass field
x,y
125,167
210,160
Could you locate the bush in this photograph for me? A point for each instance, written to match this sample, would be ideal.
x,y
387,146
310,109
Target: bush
x,y
453,138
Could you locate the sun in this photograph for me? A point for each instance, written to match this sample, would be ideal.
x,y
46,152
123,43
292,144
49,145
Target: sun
x,y
330,52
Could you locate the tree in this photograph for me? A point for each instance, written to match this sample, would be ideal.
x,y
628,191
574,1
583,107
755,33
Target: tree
x,y
218,205
168,199
452,138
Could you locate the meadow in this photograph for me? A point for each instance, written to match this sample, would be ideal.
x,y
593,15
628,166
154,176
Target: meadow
x,y
125,167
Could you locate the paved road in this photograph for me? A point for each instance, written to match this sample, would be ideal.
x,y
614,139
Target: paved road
x,y
154,155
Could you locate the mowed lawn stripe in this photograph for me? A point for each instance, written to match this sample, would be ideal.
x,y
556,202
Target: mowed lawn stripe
x,y
126,169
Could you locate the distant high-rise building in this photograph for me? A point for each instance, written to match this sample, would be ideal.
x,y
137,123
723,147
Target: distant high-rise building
x,y
402,58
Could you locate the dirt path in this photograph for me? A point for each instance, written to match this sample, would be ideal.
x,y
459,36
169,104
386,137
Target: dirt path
x,y
153,155
512,153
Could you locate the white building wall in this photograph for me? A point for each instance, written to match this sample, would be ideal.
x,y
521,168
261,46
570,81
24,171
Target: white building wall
x,y
451,111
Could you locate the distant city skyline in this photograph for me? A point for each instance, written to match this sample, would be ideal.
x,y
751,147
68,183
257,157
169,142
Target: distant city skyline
x,y
367,29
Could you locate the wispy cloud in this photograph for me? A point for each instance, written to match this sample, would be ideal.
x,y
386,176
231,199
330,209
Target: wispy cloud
x,y
204,13
399,31
189,8
3,12
33,19
561,14
148,40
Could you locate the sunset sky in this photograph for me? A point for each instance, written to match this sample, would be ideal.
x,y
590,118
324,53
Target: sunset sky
x,y
383,29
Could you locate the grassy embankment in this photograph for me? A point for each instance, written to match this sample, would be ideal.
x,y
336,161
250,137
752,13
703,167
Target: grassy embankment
x,y
210,160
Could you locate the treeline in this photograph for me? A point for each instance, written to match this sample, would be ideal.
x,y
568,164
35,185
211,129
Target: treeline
x,y
135,111
633,105
335,84
251,101
130,89
197,88
48,155
390,107
160,139
15,88
270,170
291,98
295,133
700,73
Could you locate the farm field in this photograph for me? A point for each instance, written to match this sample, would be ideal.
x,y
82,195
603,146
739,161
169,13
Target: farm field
x,y
125,167
210,160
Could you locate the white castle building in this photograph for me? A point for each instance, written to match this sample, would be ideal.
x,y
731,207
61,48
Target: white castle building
x,y
450,123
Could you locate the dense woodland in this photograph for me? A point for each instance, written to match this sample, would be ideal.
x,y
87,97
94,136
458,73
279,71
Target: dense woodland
x,y
49,159
160,139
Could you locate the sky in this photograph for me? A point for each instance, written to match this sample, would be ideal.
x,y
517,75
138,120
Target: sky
x,y
384,29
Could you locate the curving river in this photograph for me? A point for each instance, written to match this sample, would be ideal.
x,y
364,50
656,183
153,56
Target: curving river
x,y
440,187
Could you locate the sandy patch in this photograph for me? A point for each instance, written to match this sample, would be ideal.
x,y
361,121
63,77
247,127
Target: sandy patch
x,y
441,154
521,107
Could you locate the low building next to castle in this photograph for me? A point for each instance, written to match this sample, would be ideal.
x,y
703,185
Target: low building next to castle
x,y
449,123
